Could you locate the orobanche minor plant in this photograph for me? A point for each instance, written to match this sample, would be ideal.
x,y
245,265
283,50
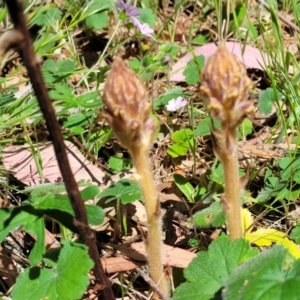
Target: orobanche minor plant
x,y
231,269
225,86
127,110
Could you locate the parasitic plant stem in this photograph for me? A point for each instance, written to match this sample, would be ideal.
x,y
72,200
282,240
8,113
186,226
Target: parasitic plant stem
x,y
127,110
225,85
152,205
232,201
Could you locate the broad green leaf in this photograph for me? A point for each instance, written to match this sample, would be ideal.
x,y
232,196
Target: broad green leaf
x,y
177,150
89,100
95,213
207,273
97,5
38,229
147,17
118,164
184,137
193,70
75,120
68,280
295,234
65,66
97,21
31,221
89,192
186,188
267,192
135,64
49,16
125,190
266,100
183,141
245,129
203,128
201,39
213,215
273,274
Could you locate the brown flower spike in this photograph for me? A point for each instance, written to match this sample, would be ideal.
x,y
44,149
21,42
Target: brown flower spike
x,y
127,109
225,86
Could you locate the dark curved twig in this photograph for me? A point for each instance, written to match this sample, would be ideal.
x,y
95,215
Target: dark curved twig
x,y
34,72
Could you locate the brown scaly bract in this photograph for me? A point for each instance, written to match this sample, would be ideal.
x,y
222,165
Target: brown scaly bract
x,y
225,85
127,109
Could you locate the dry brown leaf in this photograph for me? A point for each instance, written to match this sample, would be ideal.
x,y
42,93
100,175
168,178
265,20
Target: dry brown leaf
x,y
18,159
174,257
119,264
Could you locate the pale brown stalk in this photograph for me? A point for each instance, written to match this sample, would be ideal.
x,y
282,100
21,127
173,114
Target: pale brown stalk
x,y
225,86
127,110
152,205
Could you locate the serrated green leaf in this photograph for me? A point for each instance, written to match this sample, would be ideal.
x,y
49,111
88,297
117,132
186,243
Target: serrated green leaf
x,y
207,273
97,21
68,280
273,274
125,190
295,234
267,192
186,188
213,215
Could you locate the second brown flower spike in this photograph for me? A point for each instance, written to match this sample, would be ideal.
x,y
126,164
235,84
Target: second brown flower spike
x,y
225,86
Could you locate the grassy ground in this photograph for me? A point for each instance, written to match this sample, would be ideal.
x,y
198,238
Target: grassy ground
x,y
77,41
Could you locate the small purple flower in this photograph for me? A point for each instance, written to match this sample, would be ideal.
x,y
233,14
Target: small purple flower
x,y
131,11
176,104
143,28
167,58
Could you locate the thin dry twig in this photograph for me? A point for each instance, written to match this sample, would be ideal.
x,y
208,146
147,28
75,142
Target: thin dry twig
x,y
152,284
34,72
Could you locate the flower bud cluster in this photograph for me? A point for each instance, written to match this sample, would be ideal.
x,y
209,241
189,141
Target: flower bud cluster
x,y
127,109
225,85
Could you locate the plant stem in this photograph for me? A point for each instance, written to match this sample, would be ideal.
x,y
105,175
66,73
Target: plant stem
x,y
154,241
232,203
